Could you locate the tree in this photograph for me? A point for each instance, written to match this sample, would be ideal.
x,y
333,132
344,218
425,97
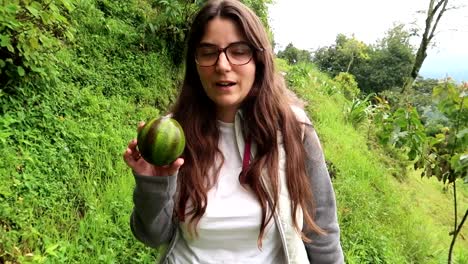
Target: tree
x,y
434,13
294,55
353,48
260,7
378,67
389,62
331,59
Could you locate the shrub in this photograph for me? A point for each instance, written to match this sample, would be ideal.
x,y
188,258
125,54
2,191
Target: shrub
x,y
31,34
349,85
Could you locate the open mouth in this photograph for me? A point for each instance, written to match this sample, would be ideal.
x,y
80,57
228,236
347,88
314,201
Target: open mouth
x,y
225,84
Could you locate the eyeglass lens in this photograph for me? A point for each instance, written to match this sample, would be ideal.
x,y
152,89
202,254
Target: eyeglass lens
x,y
236,53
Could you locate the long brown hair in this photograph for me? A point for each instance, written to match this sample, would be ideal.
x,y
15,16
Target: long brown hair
x,y
267,115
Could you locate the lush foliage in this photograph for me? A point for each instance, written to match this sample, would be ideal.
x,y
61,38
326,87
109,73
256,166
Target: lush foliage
x,y
447,150
294,55
168,24
438,142
64,196
358,111
370,199
353,49
260,7
77,77
402,129
384,65
30,33
349,85
439,147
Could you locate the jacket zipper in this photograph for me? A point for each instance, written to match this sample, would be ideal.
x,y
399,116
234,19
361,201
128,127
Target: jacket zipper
x,y
239,134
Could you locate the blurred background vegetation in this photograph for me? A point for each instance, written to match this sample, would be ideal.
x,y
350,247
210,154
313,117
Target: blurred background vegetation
x,y
76,77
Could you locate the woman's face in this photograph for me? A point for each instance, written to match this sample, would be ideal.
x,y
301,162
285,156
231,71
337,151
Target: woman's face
x,y
226,84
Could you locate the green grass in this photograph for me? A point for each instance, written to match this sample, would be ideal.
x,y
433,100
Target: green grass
x,y
66,192
383,220
433,202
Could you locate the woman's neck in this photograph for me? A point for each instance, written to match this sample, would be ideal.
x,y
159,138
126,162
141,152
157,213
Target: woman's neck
x,y
226,115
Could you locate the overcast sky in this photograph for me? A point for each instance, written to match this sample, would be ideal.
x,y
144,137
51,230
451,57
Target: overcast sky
x,y
310,24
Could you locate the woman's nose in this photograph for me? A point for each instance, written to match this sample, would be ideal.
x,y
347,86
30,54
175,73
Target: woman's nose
x,y
223,63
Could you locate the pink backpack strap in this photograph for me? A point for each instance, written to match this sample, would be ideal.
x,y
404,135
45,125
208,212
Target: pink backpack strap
x,y
245,161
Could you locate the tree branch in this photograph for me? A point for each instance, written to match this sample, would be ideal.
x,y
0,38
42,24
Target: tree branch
x,y
439,4
452,244
438,18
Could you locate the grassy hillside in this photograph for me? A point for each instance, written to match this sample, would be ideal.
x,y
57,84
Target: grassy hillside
x,y
383,220
433,203
65,192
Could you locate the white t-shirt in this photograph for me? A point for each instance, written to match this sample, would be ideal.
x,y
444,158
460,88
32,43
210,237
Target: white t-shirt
x,y
228,231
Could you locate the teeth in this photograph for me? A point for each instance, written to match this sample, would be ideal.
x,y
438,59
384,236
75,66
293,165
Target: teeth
x,y
224,83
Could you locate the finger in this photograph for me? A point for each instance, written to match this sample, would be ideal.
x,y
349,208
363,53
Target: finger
x,y
128,158
133,150
135,153
175,166
132,144
140,126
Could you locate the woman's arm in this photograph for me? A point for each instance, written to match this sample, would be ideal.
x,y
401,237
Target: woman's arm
x,y
323,248
151,221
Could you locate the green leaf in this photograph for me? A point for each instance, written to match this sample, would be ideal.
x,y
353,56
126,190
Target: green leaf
x,y
464,159
4,40
68,5
10,48
2,63
33,11
4,136
462,133
152,28
12,8
21,71
34,43
69,35
37,69
412,154
51,250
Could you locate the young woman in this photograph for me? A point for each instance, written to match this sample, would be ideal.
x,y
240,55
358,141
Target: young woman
x,y
252,185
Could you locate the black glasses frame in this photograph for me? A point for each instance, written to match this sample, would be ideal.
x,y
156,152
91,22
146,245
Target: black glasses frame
x,y
223,50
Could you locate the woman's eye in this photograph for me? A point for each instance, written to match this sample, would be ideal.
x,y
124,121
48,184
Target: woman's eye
x,y
239,52
209,52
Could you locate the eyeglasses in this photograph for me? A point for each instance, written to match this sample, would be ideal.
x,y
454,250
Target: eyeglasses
x,y
238,53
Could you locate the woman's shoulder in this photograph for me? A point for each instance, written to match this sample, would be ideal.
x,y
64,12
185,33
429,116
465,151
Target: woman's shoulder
x,y
300,114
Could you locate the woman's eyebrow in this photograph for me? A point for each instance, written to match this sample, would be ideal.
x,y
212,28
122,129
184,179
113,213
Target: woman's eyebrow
x,y
208,44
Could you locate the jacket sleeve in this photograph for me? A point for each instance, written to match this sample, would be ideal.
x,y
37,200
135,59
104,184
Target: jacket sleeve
x,y
323,248
151,221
